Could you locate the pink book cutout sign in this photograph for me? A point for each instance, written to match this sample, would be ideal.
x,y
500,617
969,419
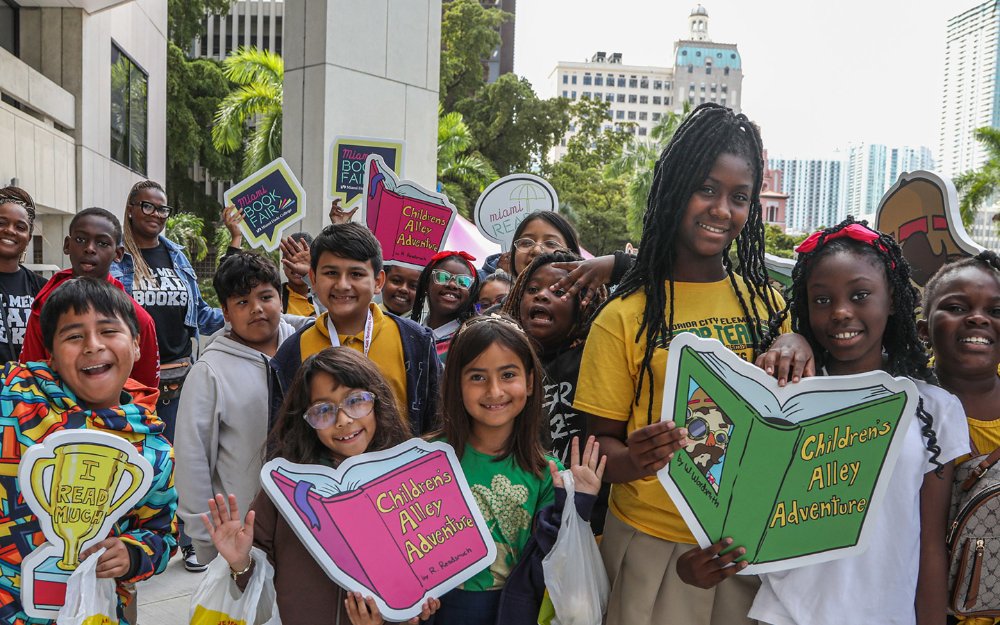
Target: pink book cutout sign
x,y
409,221
400,525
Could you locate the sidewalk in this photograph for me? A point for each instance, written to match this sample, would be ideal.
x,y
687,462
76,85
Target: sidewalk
x,y
165,599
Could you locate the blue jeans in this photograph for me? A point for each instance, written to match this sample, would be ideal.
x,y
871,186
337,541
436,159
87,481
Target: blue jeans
x,y
467,607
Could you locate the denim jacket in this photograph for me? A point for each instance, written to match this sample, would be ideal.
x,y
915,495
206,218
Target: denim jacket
x,y
200,316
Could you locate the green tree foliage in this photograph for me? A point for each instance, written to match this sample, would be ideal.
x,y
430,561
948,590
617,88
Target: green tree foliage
x,y
780,244
185,18
186,229
463,173
469,34
254,105
980,186
590,194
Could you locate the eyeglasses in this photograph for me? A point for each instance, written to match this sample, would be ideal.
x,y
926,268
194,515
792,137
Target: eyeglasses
x,y
698,429
148,208
548,245
444,277
357,405
481,307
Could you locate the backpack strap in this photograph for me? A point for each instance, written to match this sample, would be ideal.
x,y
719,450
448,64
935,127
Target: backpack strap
x,y
981,469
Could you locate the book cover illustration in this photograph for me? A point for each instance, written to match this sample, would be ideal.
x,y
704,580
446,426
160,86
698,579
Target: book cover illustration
x,y
400,525
790,473
78,483
409,221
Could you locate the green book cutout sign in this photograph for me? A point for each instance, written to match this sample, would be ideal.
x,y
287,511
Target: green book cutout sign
x,y
791,474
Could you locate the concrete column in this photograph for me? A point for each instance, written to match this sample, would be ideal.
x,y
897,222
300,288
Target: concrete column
x,y
359,67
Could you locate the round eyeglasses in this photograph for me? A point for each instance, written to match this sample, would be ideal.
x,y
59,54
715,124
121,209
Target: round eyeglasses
x,y
357,405
148,208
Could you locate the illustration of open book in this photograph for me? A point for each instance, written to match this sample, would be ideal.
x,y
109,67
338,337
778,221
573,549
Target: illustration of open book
x,y
790,473
400,525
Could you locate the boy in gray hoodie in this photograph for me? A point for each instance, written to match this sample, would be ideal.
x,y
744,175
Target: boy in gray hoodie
x,y
222,418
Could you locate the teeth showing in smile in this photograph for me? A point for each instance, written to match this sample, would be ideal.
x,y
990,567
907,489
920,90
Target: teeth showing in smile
x,y
96,368
494,406
712,229
349,437
846,335
977,340
9,241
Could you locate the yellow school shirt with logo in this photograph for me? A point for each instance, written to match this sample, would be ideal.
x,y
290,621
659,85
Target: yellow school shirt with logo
x,y
609,373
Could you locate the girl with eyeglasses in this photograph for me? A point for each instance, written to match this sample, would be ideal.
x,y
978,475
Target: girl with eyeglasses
x,y
449,285
337,407
493,291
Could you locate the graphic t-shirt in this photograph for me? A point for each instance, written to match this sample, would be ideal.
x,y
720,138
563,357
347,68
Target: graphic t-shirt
x,y
609,373
565,422
17,292
166,300
508,497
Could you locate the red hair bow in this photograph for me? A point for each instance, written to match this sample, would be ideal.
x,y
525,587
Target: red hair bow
x,y
854,231
467,257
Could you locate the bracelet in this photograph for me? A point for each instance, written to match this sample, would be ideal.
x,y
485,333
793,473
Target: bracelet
x,y
235,574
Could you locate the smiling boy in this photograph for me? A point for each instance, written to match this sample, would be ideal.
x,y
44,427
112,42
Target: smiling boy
x,y
93,243
92,333
346,274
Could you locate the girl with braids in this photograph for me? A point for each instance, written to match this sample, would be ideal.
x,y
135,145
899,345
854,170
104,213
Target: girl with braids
x,y
157,274
449,284
18,284
853,301
704,199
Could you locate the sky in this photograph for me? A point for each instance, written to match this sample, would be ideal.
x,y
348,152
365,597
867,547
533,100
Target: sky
x,y
817,74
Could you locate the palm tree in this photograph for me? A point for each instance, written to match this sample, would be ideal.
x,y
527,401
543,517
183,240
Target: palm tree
x,y
978,187
459,172
186,229
256,103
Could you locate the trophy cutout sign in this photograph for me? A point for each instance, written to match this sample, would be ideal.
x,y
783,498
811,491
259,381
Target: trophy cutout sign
x,y
78,483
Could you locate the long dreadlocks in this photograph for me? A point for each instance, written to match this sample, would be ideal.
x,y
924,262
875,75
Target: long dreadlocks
x,y
708,132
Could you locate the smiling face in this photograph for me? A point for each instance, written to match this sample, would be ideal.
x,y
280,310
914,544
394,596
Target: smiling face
x,y
91,247
963,323
400,289
716,212
254,317
495,389
15,230
93,355
346,437
146,227
544,315
346,287
539,231
445,300
849,306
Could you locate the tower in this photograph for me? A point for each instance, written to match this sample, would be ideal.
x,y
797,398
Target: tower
x,y
698,24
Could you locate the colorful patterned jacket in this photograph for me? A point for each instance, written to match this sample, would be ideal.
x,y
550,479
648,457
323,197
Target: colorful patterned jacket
x,y
34,404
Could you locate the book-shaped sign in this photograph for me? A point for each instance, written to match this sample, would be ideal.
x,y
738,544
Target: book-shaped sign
x,y
505,203
400,525
78,483
271,200
348,156
409,221
793,473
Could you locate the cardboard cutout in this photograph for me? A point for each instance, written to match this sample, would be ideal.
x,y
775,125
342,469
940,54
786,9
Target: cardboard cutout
x,y
78,483
779,269
409,221
271,200
505,203
791,473
921,212
348,156
400,525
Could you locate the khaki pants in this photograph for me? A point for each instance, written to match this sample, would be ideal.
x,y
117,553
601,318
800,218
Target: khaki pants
x,y
645,588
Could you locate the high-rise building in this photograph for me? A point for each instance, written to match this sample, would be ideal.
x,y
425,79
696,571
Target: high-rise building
x,y
815,190
502,60
971,93
872,168
703,71
255,23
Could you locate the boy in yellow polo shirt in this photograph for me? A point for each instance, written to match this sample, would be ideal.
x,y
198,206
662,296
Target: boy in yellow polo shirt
x,y
346,273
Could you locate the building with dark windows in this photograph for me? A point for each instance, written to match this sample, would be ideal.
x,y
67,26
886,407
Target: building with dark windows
x,y
502,60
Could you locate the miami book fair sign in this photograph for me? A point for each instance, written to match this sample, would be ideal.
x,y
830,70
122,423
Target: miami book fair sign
x,y
349,158
794,473
400,525
271,199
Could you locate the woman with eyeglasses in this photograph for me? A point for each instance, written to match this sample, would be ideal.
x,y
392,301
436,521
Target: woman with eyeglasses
x,y
449,284
156,273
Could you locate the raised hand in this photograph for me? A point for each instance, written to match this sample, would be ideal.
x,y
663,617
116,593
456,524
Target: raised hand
x,y
231,217
295,258
587,472
339,215
231,536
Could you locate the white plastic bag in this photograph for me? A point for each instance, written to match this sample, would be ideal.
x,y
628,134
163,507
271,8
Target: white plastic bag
x,y
89,600
574,572
218,599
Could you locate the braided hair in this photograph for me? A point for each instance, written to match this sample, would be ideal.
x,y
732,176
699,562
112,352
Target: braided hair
x,y
143,274
423,283
987,260
17,195
905,355
708,132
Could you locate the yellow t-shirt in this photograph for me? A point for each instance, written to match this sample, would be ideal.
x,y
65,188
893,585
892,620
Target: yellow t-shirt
x,y
300,305
610,369
985,435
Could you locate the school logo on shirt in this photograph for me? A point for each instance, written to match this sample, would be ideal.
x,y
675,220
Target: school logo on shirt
x,y
168,291
16,309
733,332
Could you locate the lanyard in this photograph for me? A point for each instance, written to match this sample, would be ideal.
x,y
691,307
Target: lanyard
x,y
335,338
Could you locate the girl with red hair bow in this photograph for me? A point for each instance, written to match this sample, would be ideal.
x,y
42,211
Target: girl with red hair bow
x,y
449,284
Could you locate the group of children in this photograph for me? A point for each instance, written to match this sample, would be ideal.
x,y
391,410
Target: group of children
x,y
517,372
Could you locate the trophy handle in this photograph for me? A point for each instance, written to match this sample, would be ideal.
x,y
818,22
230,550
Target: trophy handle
x,y
37,486
136,474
